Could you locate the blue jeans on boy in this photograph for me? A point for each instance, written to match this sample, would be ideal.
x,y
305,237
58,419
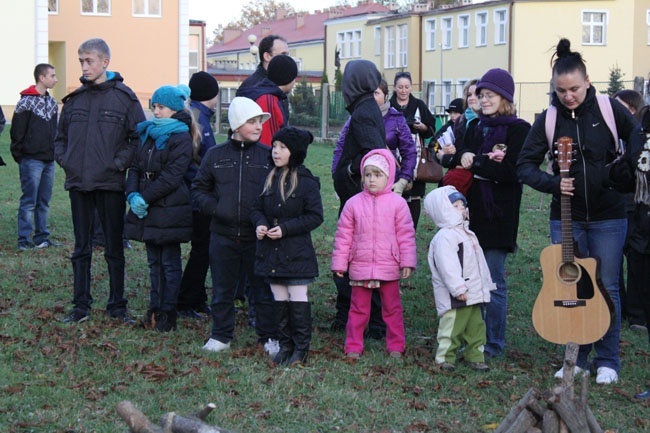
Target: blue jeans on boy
x,y
229,258
496,310
603,240
36,180
165,271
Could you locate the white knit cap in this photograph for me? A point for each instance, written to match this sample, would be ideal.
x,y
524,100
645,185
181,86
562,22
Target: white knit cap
x,y
241,110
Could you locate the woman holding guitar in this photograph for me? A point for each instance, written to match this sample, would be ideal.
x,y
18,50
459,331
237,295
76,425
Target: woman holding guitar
x,y
597,221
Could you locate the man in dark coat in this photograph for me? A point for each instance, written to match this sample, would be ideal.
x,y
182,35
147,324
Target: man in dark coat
x,y
95,144
270,46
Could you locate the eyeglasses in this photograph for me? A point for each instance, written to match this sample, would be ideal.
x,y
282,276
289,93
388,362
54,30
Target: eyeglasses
x,y
487,95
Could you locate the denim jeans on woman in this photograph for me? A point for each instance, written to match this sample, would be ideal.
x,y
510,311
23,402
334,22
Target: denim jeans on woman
x,y
36,180
603,240
497,309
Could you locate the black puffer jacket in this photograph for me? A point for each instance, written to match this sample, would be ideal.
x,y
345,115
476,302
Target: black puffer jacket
x,y
229,180
97,136
158,176
594,198
293,255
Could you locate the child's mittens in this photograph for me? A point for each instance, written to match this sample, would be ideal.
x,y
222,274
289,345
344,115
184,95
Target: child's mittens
x,y
137,204
399,186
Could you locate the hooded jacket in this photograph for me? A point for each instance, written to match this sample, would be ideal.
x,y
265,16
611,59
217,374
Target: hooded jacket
x,y
375,237
366,131
33,126
594,198
97,136
273,100
455,257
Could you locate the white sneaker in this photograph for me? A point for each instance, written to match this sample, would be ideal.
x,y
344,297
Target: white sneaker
x,y
606,376
576,371
272,347
216,346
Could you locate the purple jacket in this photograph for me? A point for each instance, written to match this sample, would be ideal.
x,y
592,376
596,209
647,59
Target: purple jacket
x,y
398,137
375,237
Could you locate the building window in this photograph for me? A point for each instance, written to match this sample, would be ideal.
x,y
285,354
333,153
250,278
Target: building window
x,y
481,29
500,26
349,43
431,96
447,88
53,6
647,20
447,25
194,45
431,34
460,86
147,8
377,41
96,7
390,47
593,27
402,46
463,31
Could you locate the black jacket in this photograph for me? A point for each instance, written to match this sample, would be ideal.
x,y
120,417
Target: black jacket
x,y
594,198
97,136
293,255
498,228
158,175
230,179
33,126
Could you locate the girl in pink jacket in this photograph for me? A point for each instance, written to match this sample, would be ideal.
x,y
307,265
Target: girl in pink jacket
x,y
375,243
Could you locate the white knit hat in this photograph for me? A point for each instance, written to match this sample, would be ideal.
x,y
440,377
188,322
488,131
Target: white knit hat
x,y
241,110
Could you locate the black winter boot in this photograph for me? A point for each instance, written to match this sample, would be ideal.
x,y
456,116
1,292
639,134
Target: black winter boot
x,y
301,327
165,320
281,310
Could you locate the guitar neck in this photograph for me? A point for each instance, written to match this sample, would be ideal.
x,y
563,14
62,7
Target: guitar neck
x,y
567,226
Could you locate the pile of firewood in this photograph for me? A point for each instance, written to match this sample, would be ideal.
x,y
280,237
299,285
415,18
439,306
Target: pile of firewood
x,y
170,422
556,411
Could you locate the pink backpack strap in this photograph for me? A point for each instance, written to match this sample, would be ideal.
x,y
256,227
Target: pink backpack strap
x,y
549,125
608,115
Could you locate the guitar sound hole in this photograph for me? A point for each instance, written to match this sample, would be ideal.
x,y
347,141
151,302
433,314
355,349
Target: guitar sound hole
x,y
569,273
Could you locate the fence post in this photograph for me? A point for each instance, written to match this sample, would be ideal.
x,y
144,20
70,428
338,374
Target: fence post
x,y
325,110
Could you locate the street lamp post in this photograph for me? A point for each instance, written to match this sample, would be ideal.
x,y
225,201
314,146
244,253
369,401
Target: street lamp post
x,y
254,49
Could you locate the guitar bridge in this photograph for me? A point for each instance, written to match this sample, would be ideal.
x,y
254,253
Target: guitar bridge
x,y
570,303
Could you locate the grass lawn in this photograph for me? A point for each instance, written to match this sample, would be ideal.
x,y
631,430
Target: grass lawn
x,y
62,378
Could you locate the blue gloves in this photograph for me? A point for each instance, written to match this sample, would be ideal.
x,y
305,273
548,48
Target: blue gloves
x,y
138,205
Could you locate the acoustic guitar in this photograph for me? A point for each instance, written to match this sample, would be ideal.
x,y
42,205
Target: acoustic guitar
x,y
572,305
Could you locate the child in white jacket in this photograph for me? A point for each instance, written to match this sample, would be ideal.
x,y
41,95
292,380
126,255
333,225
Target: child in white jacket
x,y
461,280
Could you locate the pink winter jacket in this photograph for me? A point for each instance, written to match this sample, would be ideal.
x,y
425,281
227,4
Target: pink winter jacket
x,y
375,237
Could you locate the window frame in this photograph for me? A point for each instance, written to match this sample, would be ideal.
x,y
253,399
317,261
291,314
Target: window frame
x,y
592,25
463,30
94,12
431,27
55,11
349,42
431,95
377,34
500,27
447,33
146,14
481,28
389,47
402,46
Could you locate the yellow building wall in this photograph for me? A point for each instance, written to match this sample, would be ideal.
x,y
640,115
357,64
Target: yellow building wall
x,y
641,44
143,50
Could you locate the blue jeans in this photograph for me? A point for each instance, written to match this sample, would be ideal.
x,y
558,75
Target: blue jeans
x,y
497,309
230,258
603,240
36,180
165,271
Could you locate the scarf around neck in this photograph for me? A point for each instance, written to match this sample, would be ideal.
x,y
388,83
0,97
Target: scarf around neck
x,y
160,130
384,108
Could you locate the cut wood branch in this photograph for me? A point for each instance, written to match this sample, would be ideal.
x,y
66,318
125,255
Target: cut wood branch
x,y
171,422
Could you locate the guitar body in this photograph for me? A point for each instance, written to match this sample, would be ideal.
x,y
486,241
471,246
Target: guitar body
x,y
573,305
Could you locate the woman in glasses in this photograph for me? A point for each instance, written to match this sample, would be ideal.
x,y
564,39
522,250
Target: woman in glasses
x,y
489,150
422,125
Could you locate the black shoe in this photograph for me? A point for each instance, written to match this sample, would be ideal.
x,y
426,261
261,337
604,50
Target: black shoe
x,y
645,395
75,316
25,246
165,321
124,318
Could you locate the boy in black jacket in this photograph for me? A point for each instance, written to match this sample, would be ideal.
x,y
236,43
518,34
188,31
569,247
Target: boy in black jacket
x,y
230,179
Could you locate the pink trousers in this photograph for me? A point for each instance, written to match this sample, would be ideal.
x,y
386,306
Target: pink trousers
x,y
359,315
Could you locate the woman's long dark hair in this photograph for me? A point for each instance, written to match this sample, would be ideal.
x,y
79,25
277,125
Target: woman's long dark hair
x,y
565,61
